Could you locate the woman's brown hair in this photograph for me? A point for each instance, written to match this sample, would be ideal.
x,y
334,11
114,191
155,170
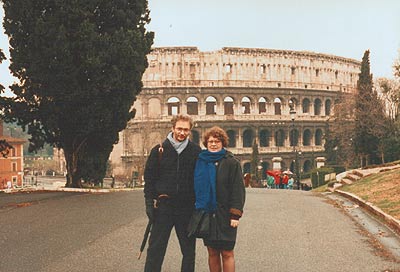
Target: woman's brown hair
x,y
218,133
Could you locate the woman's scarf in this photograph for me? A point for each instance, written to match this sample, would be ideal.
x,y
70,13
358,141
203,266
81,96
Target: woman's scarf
x,y
179,146
205,175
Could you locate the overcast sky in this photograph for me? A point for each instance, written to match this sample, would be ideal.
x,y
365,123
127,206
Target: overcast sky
x,y
344,28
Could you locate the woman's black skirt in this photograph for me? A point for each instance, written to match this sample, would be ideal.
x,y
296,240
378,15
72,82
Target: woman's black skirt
x,y
219,244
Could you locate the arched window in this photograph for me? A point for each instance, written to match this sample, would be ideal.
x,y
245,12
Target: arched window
x,y
173,106
262,105
264,137
211,105
232,138
265,167
317,106
307,137
279,137
246,167
328,105
228,105
318,137
293,166
294,137
192,104
246,105
306,105
248,138
195,136
278,106
307,166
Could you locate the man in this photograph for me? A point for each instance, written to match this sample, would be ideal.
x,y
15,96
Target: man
x,y
169,194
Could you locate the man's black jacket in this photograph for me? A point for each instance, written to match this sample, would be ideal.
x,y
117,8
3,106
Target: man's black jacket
x,y
170,173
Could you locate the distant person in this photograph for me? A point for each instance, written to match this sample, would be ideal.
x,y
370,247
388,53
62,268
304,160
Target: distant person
x,y
169,194
277,181
290,183
270,181
219,190
285,180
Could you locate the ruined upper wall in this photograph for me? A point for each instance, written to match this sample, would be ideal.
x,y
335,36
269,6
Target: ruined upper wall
x,y
249,67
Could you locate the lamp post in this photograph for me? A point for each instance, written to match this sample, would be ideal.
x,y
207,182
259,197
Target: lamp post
x,y
299,177
292,113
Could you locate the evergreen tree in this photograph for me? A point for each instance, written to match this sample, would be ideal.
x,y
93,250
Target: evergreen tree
x,y
254,160
80,65
370,118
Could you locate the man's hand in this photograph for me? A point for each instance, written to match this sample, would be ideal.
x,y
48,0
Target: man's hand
x,y
234,223
149,208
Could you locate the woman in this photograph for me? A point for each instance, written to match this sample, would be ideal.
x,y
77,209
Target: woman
x,y
219,190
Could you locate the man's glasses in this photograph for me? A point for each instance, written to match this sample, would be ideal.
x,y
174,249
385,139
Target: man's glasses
x,y
184,130
214,142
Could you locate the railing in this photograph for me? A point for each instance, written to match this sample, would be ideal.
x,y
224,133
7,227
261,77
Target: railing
x,y
228,83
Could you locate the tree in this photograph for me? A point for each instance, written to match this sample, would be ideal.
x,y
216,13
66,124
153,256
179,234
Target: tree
x,y
80,65
254,160
370,119
341,132
389,90
2,57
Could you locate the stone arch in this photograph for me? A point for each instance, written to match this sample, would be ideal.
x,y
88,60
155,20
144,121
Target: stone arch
x,y
328,107
307,166
307,137
232,137
277,106
248,138
262,105
293,166
280,137
318,136
246,105
195,136
264,137
317,106
211,105
246,167
294,137
306,105
192,104
228,105
153,138
173,105
154,108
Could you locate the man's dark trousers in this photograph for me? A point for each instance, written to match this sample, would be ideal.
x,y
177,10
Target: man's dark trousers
x,y
169,214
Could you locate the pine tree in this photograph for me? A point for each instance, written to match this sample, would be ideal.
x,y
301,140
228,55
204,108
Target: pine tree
x,y
370,119
254,160
80,65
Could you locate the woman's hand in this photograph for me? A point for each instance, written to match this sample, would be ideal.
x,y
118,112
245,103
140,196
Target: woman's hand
x,y
234,223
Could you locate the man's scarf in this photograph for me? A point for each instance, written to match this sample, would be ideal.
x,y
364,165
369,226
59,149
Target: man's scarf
x,y
205,175
179,146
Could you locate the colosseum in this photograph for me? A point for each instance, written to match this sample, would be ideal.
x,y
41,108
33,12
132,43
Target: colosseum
x,y
280,100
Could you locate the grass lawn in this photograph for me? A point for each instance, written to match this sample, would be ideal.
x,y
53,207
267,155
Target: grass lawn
x,y
382,190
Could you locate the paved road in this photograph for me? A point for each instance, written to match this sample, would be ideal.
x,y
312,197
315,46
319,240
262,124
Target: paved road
x,y
280,231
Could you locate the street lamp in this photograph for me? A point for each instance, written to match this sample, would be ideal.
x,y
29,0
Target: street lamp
x,y
292,113
299,176
259,175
